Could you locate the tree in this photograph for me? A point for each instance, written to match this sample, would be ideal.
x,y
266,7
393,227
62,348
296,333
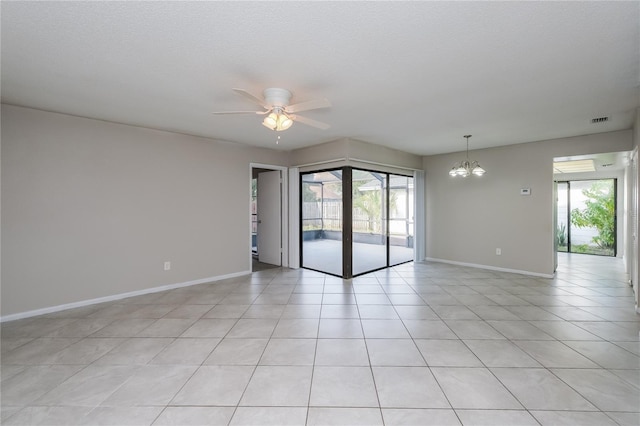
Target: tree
x,y
599,213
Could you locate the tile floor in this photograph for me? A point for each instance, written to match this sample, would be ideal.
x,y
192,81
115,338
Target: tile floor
x,y
423,344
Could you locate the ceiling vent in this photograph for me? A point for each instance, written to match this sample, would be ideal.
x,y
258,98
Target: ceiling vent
x,y
599,120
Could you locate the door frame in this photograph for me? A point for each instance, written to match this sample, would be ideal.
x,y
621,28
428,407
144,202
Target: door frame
x,y
284,211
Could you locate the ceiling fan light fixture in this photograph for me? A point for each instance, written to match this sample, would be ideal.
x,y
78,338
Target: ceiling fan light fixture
x,y
277,120
284,122
271,121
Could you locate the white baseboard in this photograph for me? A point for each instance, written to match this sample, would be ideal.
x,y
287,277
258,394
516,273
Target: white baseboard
x,y
491,268
111,298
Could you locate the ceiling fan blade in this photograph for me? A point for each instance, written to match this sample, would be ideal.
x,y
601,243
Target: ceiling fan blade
x,y
240,112
309,105
310,122
253,98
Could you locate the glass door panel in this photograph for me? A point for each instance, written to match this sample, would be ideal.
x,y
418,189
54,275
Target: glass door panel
x,y
321,219
593,216
369,221
400,219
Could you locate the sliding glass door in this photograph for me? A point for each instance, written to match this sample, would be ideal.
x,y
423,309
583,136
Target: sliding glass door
x,y
401,227
355,221
321,210
369,221
586,216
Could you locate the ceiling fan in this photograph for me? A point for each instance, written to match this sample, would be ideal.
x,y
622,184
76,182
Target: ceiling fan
x,y
279,114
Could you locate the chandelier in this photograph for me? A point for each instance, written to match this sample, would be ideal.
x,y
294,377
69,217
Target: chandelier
x,y
465,168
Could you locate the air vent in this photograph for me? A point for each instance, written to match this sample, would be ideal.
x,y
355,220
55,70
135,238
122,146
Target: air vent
x,y
599,120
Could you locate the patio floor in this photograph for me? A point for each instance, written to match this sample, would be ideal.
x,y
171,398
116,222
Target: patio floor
x,y
326,256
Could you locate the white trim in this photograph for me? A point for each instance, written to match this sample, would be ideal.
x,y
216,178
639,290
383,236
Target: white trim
x,y
348,161
375,163
419,216
294,218
491,268
318,163
113,297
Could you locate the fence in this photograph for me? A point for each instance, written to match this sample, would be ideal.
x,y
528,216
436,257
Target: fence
x,y
327,215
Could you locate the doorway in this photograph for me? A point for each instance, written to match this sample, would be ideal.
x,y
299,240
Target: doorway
x,y
355,221
586,216
268,222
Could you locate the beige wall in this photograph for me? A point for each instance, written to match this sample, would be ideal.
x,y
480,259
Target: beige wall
x,y
93,209
467,219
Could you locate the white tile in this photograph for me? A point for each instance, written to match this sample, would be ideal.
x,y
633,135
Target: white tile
x,y
33,382
419,417
341,352
538,389
278,386
343,387
150,385
496,417
570,418
340,328
501,353
237,352
297,328
214,385
253,328
47,416
289,352
275,416
344,416
124,416
135,351
447,353
384,329
209,327
89,387
604,389
474,388
408,387
186,351
195,416
554,354
394,352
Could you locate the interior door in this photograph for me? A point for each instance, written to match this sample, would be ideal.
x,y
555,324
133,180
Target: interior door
x,y
269,203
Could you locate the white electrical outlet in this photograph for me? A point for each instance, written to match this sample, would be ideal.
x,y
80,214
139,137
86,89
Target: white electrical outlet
x,y
498,252
167,266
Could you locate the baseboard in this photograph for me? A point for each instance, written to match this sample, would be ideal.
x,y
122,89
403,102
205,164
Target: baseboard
x,y
111,298
491,268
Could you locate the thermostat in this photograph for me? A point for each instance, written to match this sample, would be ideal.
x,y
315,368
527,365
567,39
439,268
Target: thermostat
x,y
525,191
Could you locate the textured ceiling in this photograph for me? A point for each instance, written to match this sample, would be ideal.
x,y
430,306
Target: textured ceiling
x,y
415,76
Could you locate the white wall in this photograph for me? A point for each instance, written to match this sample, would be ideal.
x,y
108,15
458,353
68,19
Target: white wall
x,y
467,219
93,209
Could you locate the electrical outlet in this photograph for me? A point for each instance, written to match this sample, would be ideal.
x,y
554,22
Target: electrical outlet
x,y
167,266
498,252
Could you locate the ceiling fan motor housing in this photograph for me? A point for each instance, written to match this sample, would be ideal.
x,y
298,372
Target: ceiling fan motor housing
x,y
277,97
